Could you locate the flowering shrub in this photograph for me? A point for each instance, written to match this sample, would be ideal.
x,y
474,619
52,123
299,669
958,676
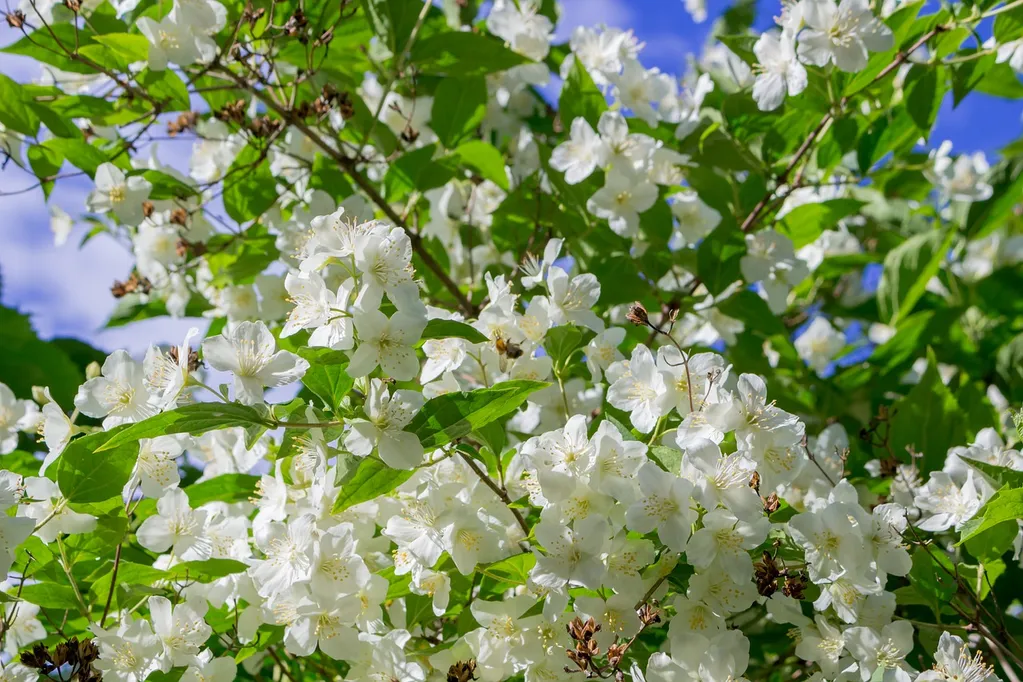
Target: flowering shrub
x,y
610,390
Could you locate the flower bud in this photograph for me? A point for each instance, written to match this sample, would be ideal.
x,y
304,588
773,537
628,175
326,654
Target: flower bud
x,y
92,370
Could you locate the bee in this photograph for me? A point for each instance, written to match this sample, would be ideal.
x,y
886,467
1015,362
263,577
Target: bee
x,y
462,671
509,349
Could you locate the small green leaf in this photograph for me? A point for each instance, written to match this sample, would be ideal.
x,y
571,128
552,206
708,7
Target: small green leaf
x,y
485,159
463,54
1006,506
448,329
85,476
372,479
907,270
805,223
197,418
459,105
250,188
580,97
327,375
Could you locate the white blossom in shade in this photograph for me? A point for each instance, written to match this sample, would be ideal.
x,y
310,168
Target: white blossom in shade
x,y
724,541
320,309
962,178
572,554
534,271
694,219
388,343
581,154
882,651
622,198
1010,52
205,668
49,506
129,652
388,415
637,88
779,73
819,344
686,108
249,351
771,260
172,42
947,505
638,387
156,471
521,24
954,662
15,415
178,528
167,373
665,505
119,194
214,150
844,34
572,299
119,395
628,153
602,351
181,629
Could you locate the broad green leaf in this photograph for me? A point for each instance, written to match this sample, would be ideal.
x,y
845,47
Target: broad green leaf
x,y
249,187
167,87
448,329
925,89
195,419
805,223
419,171
50,596
907,270
1005,507
669,459
580,97
928,419
15,113
372,479
999,475
453,415
393,19
205,571
562,341
327,375
459,105
85,476
463,54
718,258
511,571
485,159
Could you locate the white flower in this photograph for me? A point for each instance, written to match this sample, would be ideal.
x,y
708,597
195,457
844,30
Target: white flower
x,y
1011,52
571,554
177,527
61,224
127,653
724,541
166,373
842,33
694,219
181,629
572,300
24,628
385,260
819,344
248,351
119,395
622,198
665,506
946,505
953,662
885,650
962,178
120,194
389,343
173,42
51,507
289,551
638,387
156,470
602,351
384,430
15,415
580,155
205,668
520,23
637,88
779,73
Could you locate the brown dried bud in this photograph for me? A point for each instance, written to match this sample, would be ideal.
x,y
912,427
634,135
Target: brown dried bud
x,y
582,631
345,106
615,652
795,586
179,216
264,126
296,23
637,314
766,574
771,503
754,481
15,19
462,671
133,284
324,38
38,658
252,15
232,113
148,208
648,615
183,122
193,358
73,5
409,135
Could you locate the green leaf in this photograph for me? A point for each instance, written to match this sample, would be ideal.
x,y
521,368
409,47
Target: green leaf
x,y
511,571
562,341
453,415
718,258
132,48
195,419
27,361
327,375
580,97
167,87
250,188
1005,507
485,159
463,54
393,19
907,269
50,596
925,89
237,259
1009,25
167,186
448,329
805,223
459,105
418,170
998,475
372,479
206,571
987,215
15,113
669,459
932,577
85,476
928,419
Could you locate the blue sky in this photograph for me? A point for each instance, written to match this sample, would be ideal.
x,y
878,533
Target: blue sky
x,y
66,290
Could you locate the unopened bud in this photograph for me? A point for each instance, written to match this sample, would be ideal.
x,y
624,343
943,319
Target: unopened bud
x,y
39,395
16,19
93,370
